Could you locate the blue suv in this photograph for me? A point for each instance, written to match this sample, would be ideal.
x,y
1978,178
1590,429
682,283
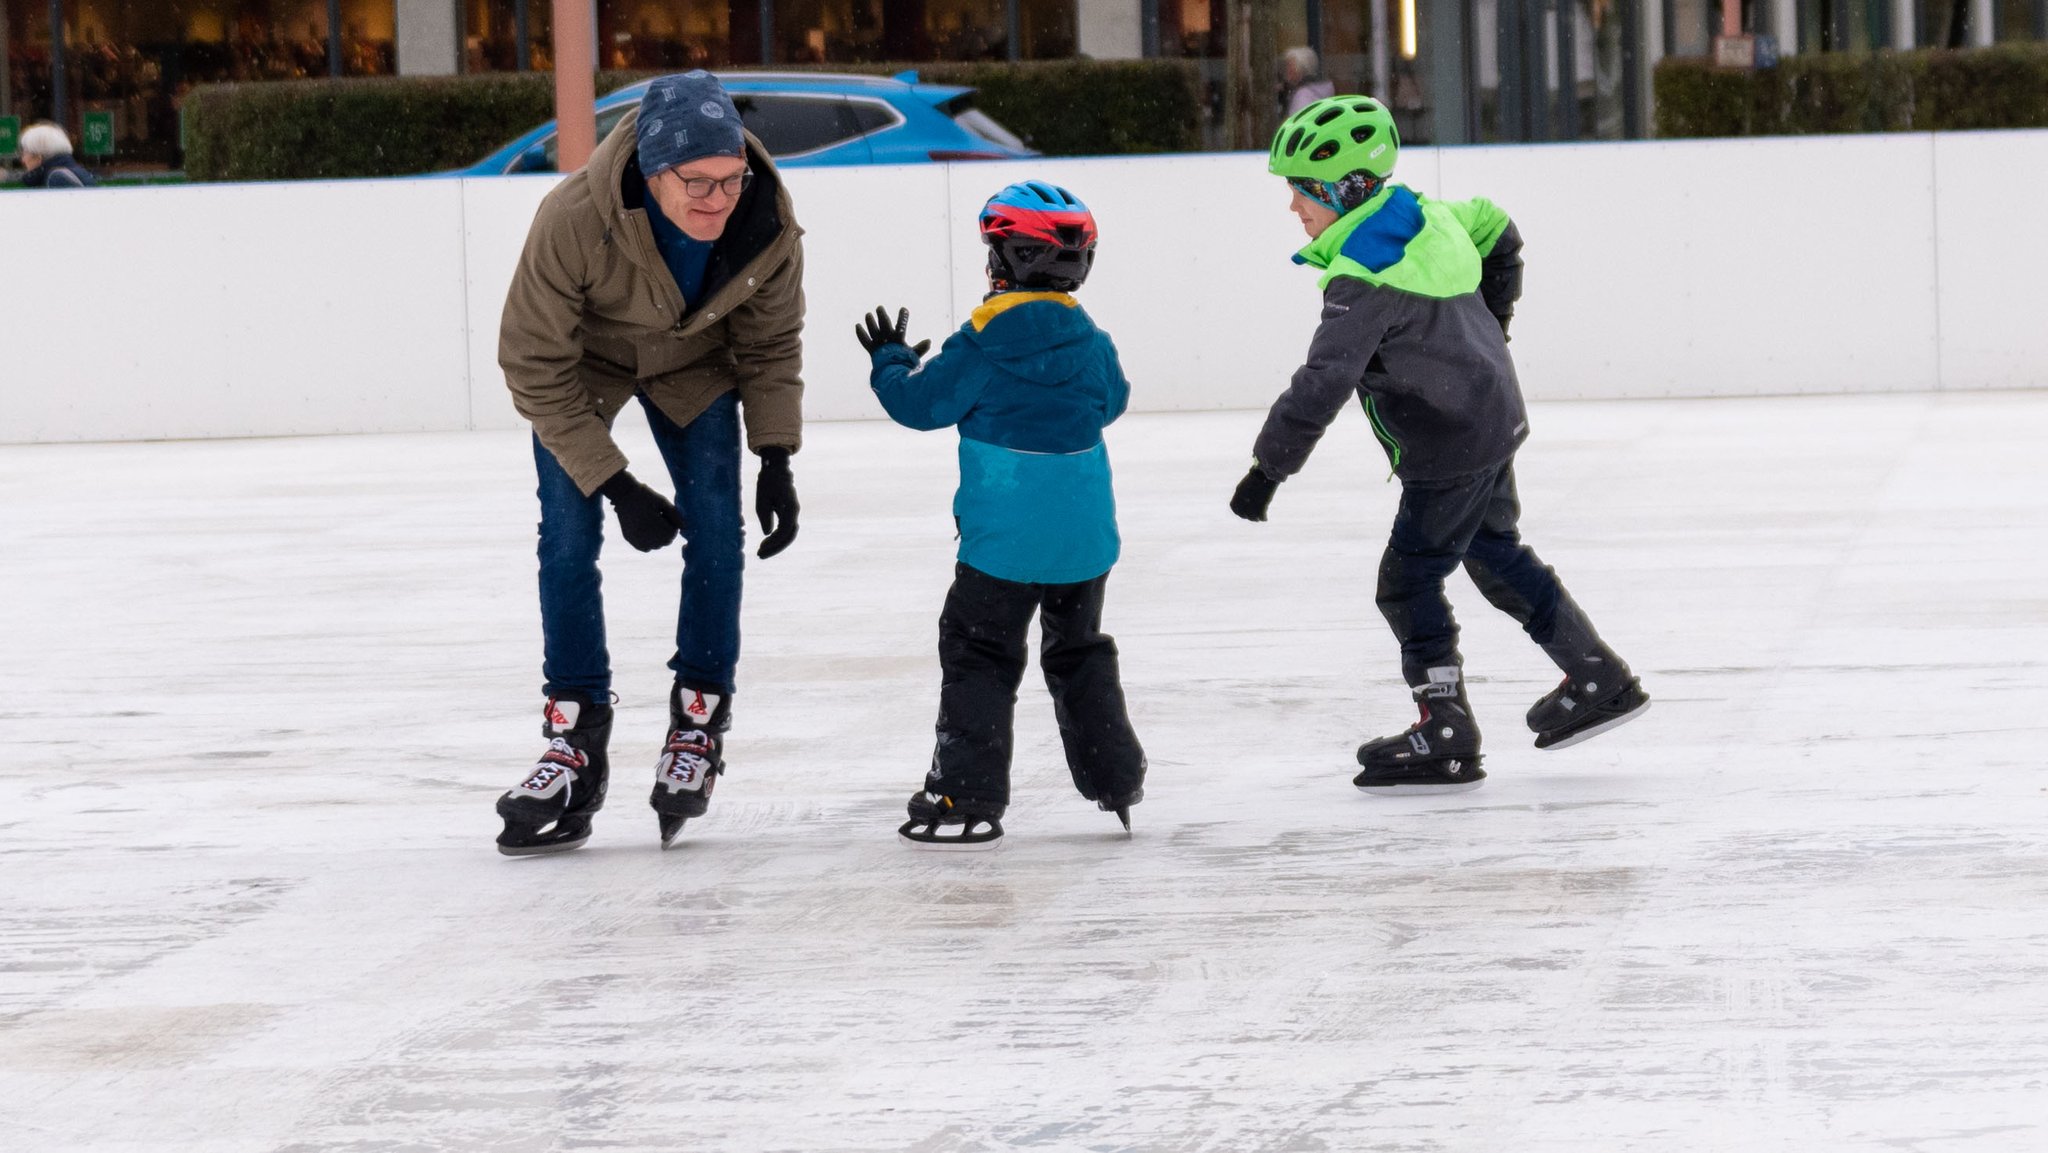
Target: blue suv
x,y
810,119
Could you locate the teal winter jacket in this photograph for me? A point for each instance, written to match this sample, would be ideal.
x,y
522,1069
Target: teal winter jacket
x,y
1031,383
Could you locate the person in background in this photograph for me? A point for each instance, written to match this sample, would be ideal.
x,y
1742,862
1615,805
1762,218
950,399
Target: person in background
x,y
46,152
1301,78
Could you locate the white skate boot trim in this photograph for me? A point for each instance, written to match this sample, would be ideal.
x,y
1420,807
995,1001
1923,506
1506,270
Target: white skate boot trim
x,y
561,715
685,763
551,775
1443,682
1591,731
700,707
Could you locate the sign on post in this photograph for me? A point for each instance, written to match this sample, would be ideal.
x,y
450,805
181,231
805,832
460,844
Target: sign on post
x,y
98,137
10,137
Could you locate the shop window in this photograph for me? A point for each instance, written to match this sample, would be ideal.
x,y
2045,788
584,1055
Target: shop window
x,y
663,34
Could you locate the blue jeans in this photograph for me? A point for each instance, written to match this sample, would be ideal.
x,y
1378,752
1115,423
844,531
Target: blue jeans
x,y
703,460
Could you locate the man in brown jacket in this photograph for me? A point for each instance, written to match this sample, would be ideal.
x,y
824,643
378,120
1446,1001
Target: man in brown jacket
x,y
668,269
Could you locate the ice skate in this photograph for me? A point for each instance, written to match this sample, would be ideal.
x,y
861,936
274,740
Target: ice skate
x,y
1578,710
939,822
549,810
692,759
1113,798
1439,753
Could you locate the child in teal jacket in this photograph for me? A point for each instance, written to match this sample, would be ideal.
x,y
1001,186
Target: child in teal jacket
x,y
1030,382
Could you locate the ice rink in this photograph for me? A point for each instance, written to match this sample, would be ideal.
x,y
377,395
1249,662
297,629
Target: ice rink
x,y
262,695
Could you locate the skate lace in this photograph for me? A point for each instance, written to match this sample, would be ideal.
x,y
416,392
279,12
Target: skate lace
x,y
687,755
560,757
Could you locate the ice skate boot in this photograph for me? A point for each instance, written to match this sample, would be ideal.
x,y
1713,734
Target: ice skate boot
x,y
1586,705
549,810
940,822
1439,753
693,758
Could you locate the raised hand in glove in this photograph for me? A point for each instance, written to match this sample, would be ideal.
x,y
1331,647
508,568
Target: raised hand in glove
x,y
1253,494
775,502
646,518
875,331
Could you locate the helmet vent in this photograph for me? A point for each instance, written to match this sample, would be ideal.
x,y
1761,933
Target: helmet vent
x,y
1324,151
1363,133
1365,106
1294,141
1328,115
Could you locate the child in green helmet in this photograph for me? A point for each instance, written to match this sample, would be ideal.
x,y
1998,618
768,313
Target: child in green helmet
x,y
1417,295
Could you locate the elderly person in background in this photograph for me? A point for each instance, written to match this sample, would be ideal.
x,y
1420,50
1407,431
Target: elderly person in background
x,y
46,151
1301,75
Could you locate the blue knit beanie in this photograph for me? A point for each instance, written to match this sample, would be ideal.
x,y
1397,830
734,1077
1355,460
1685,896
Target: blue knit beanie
x,y
685,118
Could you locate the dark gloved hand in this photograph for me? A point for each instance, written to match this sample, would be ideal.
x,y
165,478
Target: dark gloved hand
x,y
1253,494
775,502
875,331
646,518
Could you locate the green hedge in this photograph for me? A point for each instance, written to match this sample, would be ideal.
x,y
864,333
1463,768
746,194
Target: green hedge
x,y
393,126
1926,90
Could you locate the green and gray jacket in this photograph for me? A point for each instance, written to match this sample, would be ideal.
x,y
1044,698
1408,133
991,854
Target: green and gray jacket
x,y
1416,298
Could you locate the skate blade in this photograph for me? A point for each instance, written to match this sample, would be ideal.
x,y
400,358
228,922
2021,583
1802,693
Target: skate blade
x,y
1591,731
543,850
1421,789
669,832
925,835
1123,813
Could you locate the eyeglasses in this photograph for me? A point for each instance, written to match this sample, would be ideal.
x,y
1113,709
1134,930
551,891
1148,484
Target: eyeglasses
x,y
699,187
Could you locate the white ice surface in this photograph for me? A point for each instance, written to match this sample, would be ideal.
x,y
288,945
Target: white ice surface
x,y
260,697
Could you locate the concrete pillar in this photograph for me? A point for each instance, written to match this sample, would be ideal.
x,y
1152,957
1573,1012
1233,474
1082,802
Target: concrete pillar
x,y
1785,23
1445,50
429,38
1111,29
1983,23
1902,24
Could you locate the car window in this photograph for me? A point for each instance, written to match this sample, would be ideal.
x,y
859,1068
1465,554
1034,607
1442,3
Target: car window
x,y
961,108
606,121
872,115
790,125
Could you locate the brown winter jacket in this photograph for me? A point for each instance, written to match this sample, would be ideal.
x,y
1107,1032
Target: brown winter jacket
x,y
594,314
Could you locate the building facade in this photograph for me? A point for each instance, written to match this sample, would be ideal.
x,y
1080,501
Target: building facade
x,y
1454,70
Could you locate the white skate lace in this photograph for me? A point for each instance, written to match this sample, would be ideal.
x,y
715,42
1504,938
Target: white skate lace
x,y
560,756
686,760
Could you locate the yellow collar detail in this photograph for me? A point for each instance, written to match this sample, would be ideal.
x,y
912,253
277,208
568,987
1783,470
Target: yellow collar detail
x,y
989,310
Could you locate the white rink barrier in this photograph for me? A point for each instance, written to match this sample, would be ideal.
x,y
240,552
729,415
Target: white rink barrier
x,y
1682,268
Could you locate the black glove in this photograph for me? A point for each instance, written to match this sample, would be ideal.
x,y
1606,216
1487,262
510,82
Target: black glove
x,y
1253,494
646,518
875,331
775,502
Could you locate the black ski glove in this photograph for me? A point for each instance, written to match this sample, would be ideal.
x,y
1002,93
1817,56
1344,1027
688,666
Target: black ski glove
x,y
1253,494
875,331
646,518
775,502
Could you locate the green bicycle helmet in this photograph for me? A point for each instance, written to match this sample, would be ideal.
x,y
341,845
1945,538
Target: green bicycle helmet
x,y
1338,151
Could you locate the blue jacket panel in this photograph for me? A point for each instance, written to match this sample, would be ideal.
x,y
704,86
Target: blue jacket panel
x,y
1031,383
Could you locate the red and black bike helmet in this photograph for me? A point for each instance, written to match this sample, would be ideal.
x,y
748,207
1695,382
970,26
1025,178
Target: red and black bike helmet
x,y
1039,235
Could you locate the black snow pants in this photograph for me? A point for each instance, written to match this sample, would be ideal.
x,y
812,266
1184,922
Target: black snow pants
x,y
982,637
1471,520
